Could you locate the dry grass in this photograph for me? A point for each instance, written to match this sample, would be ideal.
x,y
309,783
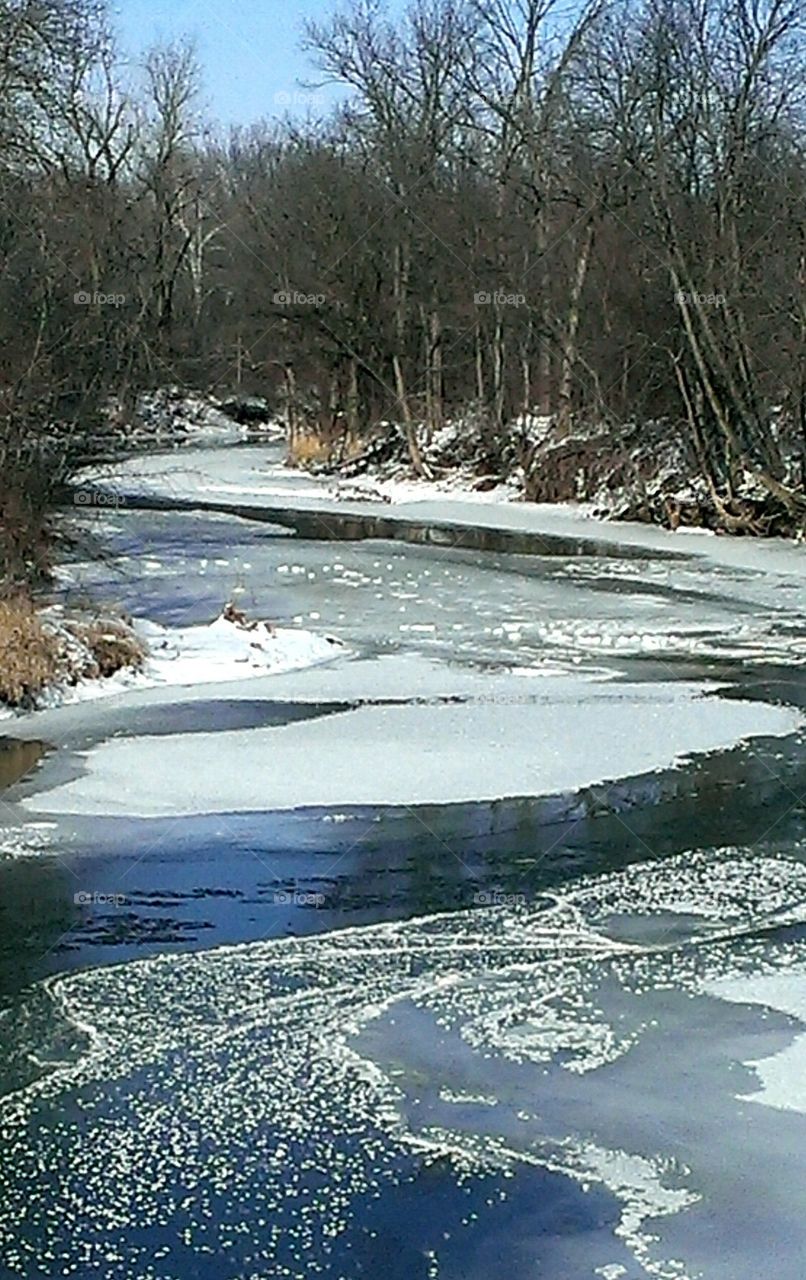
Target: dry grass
x,y
354,447
39,650
304,450
110,645
308,449
29,655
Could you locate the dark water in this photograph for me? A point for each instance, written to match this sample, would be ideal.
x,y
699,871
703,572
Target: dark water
x,y
18,758
112,891
120,888
339,526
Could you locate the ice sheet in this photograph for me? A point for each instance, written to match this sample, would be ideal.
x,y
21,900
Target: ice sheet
x,y
256,476
561,741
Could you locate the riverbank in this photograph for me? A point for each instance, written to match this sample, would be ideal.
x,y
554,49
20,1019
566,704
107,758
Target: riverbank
x,y
49,655
640,471
253,482
56,659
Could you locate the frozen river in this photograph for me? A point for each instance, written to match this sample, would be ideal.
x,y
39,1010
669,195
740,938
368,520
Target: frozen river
x,y
476,951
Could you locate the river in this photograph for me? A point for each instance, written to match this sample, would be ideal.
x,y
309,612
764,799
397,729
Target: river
x,y
478,951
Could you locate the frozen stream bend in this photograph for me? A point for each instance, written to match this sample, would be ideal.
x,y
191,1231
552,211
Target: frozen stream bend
x,y
547,1013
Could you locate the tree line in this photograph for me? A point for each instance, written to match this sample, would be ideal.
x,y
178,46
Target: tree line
x,y
591,213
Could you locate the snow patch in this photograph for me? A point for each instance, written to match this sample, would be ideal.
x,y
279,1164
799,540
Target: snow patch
x,y
225,650
216,652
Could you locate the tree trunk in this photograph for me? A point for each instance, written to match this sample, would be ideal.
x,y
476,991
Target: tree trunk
x,y
415,452
400,287
436,417
499,364
570,349
292,421
480,390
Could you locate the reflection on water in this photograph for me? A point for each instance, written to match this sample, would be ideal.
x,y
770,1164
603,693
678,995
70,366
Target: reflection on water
x,y
17,758
349,526
198,882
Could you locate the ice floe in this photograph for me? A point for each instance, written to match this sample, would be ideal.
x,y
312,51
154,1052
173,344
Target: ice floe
x,y
575,735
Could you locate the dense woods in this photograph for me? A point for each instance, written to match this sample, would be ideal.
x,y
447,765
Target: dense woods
x,y
592,217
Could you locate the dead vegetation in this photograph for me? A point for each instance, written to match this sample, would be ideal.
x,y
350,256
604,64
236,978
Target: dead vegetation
x,y
649,472
110,644
29,654
323,447
42,649
308,450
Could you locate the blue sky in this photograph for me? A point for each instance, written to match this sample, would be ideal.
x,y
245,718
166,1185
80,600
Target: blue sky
x,y
248,49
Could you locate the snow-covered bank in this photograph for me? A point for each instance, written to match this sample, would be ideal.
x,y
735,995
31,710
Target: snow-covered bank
x,y
46,651
256,477
175,416
564,739
221,651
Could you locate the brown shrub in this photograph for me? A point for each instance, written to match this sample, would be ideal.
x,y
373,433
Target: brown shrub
x,y
323,449
110,645
29,655
305,450
42,649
